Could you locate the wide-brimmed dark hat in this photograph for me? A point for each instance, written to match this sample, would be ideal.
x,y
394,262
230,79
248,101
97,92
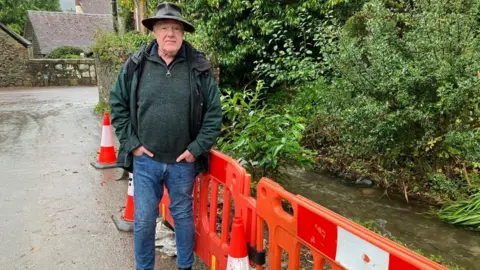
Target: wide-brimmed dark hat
x,y
168,11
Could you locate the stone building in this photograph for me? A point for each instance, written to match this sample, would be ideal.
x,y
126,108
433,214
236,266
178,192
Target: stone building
x,y
94,6
14,57
50,30
18,69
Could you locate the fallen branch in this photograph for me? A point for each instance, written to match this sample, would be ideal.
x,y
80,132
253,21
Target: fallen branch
x,y
465,173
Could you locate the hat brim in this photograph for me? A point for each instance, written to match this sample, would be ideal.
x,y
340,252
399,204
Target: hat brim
x,y
150,22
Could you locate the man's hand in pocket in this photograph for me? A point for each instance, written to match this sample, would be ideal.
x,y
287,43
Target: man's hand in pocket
x,y
142,150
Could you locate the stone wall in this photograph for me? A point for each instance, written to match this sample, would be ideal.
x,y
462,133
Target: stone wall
x,y
106,76
13,62
17,69
30,35
62,72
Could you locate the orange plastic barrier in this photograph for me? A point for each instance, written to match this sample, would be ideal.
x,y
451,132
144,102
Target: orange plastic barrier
x,y
228,174
329,236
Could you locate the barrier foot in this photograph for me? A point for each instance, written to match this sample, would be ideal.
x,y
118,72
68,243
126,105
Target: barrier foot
x,y
98,165
122,224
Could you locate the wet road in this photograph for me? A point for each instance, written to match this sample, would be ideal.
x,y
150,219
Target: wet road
x,y
55,207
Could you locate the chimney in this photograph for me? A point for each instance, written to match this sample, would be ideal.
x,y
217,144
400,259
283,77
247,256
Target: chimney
x,y
78,6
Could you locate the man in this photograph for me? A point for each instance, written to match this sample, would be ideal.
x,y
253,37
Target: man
x,y
166,111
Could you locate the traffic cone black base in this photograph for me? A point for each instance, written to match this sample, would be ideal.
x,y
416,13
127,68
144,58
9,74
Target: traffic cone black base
x,y
122,224
103,166
124,221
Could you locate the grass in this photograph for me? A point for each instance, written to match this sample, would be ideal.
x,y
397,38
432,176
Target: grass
x,y
101,107
463,213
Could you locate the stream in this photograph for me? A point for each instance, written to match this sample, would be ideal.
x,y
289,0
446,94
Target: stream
x,y
408,222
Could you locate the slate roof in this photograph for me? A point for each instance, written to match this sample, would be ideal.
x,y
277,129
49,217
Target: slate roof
x,y
54,29
16,36
96,6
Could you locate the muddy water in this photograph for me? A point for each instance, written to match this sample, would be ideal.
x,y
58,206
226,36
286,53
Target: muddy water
x,y
409,223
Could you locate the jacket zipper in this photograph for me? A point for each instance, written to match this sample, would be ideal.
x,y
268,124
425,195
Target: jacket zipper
x,y
169,73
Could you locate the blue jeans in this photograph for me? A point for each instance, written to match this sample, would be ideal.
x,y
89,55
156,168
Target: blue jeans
x,y
149,176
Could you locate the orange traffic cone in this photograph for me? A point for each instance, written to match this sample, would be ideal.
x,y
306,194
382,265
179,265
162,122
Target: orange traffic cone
x,y
237,254
124,222
107,157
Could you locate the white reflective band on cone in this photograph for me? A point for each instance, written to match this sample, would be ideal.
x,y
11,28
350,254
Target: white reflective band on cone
x,y
130,188
238,264
107,138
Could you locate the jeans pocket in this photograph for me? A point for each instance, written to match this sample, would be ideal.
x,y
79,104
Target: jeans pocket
x,y
137,159
187,165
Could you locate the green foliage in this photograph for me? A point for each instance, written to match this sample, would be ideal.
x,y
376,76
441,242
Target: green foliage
x,y
13,13
317,102
101,108
408,89
125,9
65,52
278,43
301,57
116,49
261,138
442,185
463,213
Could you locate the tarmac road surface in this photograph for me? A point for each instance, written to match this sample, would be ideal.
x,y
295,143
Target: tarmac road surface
x,y
55,207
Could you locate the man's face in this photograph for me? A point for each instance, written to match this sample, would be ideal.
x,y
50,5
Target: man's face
x,y
169,35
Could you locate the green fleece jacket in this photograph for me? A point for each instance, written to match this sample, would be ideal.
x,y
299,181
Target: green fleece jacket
x,y
163,107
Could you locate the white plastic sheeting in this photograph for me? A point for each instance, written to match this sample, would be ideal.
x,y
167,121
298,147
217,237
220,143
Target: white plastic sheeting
x,y
165,239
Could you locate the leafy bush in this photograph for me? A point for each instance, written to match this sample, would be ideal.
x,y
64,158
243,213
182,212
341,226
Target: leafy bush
x,y
261,138
297,53
278,43
115,48
65,52
14,13
409,91
440,184
101,108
